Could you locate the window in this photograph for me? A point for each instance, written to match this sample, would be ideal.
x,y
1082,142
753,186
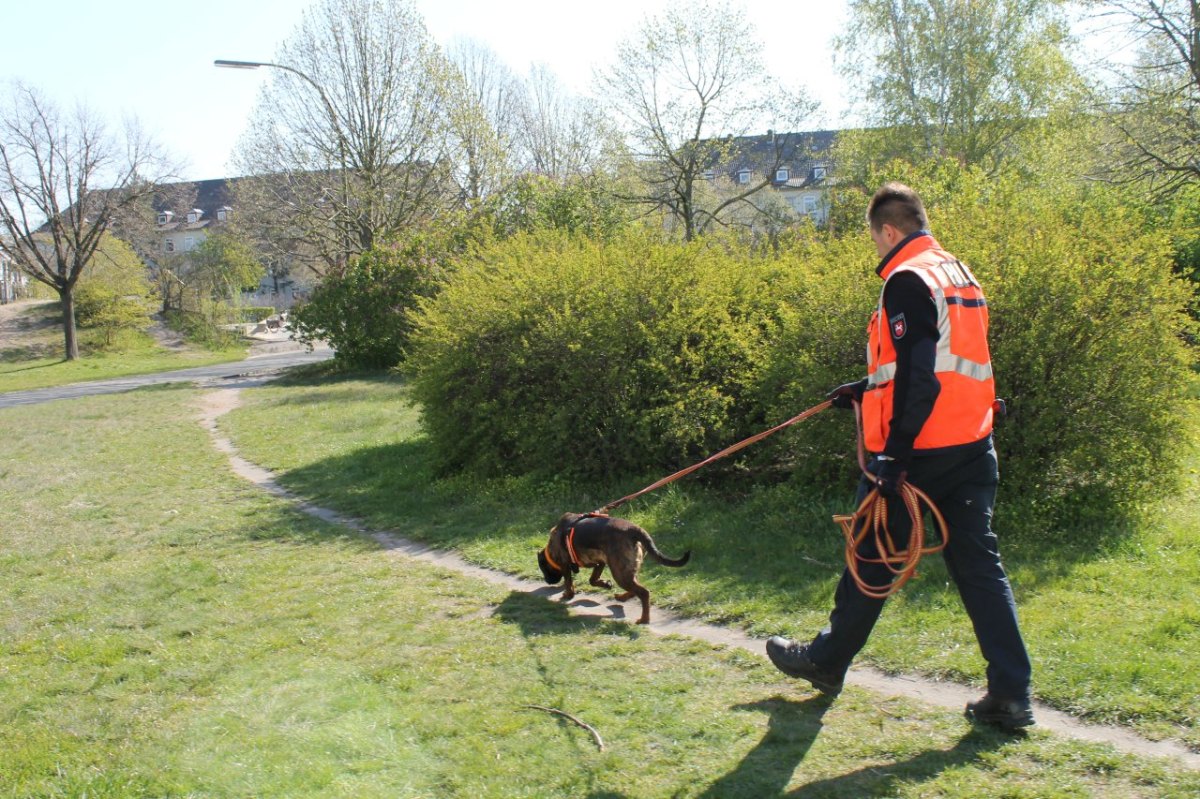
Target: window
x,y
222,214
194,215
782,174
810,205
743,176
164,217
169,245
818,173
189,243
708,174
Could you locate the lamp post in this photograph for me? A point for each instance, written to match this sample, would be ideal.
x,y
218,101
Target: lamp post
x,y
333,122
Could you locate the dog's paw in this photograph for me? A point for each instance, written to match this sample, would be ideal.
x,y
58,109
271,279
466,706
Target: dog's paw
x,y
605,584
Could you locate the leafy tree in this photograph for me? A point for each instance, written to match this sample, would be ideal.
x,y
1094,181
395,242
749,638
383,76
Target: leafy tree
x,y
352,140
958,78
684,88
218,269
65,180
223,266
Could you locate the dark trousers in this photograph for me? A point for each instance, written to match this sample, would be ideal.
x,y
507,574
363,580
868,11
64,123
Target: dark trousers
x,y
963,486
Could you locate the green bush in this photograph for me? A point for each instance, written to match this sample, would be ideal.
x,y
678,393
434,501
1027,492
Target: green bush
x,y
104,310
555,353
1087,322
112,297
363,311
824,291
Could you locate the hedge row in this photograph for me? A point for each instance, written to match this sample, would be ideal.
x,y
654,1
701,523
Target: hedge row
x,y
555,353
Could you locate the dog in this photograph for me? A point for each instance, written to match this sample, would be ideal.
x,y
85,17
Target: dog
x,y
593,541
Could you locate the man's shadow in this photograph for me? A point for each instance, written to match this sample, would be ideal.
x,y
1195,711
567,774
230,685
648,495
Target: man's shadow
x,y
876,782
768,767
792,728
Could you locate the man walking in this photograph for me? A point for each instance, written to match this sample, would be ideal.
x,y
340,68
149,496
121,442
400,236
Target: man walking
x,y
927,408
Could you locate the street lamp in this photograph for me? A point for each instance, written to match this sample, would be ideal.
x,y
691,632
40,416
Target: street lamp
x,y
333,122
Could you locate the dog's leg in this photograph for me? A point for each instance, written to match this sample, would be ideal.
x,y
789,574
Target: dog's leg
x,y
568,588
596,581
634,588
640,591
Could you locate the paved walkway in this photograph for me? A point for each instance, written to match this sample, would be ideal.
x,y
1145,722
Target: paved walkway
x,y
265,365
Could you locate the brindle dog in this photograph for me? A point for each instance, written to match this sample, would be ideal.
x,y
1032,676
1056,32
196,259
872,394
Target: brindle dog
x,y
593,541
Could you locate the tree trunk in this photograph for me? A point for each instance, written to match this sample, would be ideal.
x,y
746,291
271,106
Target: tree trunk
x,y
67,297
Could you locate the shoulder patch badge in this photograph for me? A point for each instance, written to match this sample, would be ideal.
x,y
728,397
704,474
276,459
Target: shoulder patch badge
x,y
899,326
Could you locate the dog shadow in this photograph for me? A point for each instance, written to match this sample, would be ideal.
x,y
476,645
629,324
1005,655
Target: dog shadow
x,y
584,605
766,770
540,613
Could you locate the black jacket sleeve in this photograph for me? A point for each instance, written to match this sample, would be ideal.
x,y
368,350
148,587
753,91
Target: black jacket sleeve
x,y
912,324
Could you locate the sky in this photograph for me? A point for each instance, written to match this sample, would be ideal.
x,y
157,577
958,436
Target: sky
x,y
153,61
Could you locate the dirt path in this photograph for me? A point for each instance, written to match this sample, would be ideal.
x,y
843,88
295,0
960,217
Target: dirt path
x,y
32,326
940,694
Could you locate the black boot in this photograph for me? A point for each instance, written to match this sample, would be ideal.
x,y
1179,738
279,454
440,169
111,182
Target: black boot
x,y
1010,715
792,659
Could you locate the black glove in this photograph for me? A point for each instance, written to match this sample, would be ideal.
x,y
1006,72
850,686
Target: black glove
x,y
889,475
845,395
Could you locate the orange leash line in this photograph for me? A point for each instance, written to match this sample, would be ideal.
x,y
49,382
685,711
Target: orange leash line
x,y
754,439
870,520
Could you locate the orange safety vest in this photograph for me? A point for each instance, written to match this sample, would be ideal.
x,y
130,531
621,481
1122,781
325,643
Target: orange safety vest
x,y
962,412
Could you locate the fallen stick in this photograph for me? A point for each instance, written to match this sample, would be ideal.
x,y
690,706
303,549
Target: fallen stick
x,y
585,725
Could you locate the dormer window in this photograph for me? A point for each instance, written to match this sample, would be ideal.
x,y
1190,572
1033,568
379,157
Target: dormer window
x,y
818,173
709,174
194,215
782,174
743,176
223,214
165,217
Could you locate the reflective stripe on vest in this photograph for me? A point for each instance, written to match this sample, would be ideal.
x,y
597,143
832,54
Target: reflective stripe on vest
x,y
962,412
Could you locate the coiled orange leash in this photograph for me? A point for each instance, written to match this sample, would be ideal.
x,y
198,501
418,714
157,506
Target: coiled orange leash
x,y
870,520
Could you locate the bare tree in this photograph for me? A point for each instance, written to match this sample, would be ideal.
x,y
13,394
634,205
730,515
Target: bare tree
x,y
959,78
351,140
66,179
485,121
686,88
1154,103
561,135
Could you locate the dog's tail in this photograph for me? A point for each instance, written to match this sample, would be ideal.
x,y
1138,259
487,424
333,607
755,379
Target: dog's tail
x,y
648,543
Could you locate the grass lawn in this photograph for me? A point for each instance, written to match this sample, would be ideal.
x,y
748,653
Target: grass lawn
x,y
34,358
1110,616
168,630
